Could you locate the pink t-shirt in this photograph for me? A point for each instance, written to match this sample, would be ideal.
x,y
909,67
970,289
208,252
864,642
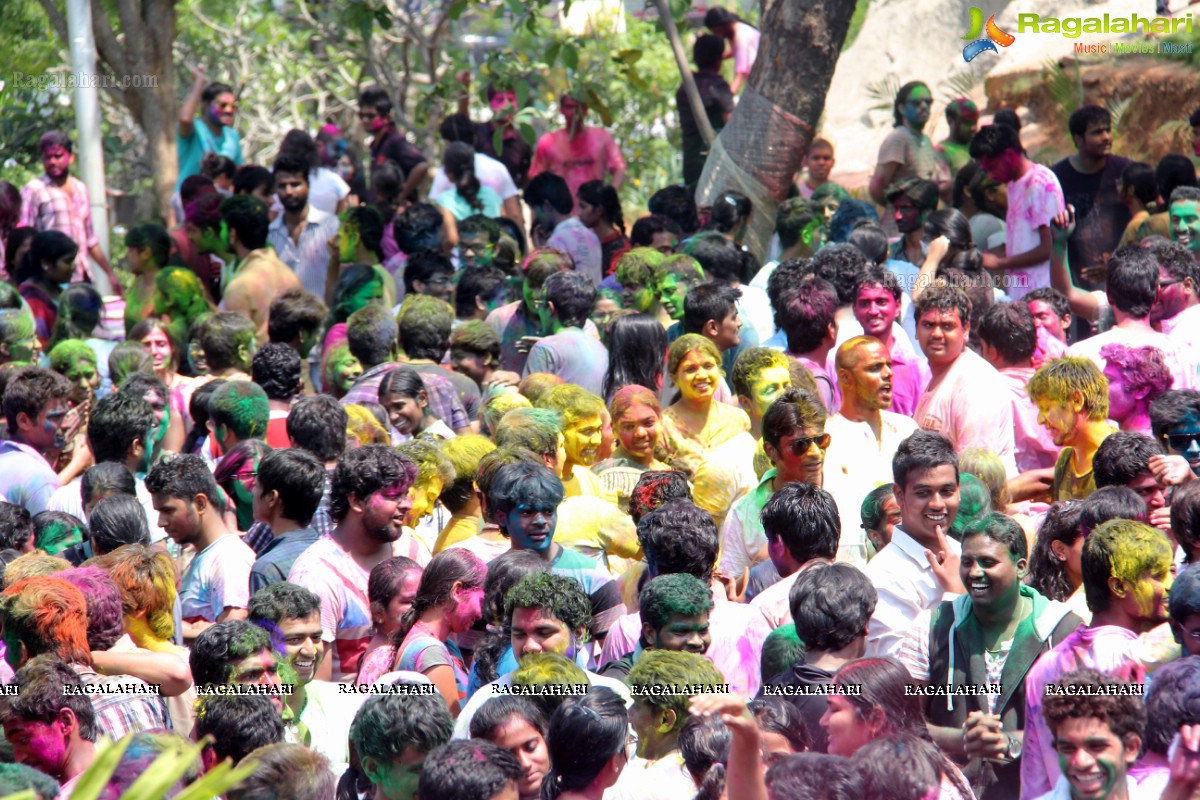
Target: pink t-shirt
x,y
590,156
1033,201
1179,353
970,406
745,47
1035,446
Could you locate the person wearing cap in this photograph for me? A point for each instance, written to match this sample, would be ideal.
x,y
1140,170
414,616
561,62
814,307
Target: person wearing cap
x,y
912,201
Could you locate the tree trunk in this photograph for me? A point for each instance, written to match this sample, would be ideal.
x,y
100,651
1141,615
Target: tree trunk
x,y
140,60
759,152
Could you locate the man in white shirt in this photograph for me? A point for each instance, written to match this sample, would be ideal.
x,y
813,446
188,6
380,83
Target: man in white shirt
x,y
920,566
803,529
863,434
301,234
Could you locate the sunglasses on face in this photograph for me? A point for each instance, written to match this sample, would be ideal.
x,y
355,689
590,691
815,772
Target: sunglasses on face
x,y
1180,442
802,445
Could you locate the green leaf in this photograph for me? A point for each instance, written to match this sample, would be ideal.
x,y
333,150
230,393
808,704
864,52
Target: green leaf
x,y
28,794
165,772
456,9
596,104
383,18
498,139
522,92
215,783
95,778
570,57
629,57
552,53
527,132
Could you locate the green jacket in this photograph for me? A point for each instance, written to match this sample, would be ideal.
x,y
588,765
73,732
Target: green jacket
x,y
956,657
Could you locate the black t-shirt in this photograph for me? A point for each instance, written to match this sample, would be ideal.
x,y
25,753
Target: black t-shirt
x,y
718,101
392,146
1100,219
811,706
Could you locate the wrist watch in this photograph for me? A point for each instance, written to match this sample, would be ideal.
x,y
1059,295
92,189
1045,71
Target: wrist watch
x,y
1014,747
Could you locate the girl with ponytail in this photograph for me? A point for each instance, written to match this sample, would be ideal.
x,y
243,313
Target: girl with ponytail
x,y
599,207
468,196
448,601
588,740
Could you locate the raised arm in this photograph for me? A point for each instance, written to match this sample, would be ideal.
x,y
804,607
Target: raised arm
x,y
187,111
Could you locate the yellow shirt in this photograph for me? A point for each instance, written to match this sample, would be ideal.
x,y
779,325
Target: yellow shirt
x,y
585,483
599,530
457,530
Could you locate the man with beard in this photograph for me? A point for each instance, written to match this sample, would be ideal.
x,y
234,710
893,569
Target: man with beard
x,y
213,132
1175,421
35,405
258,277
1176,310
1071,395
216,585
912,201
302,234
966,401
369,501
864,434
795,440
388,143
674,612
1089,183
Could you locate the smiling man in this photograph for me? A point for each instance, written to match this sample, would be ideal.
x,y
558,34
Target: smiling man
x,y
966,400
292,615
865,435
369,501
215,587
1185,218
674,612
583,415
876,308
760,375
1127,574
920,565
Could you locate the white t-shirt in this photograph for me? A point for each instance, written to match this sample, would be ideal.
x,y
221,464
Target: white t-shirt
x,y
326,189
491,173
745,47
218,578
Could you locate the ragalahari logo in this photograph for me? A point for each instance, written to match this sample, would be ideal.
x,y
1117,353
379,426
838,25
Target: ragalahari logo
x,y
994,37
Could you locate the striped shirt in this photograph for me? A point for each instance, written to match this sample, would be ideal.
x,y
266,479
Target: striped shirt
x,y
309,257
67,209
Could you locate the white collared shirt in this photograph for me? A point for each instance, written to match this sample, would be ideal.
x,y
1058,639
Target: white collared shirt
x,y
906,586
309,257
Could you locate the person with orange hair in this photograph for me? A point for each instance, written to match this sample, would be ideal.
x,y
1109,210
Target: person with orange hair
x,y
49,615
637,422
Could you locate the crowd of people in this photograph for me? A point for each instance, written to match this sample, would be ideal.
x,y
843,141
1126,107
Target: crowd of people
x,y
424,482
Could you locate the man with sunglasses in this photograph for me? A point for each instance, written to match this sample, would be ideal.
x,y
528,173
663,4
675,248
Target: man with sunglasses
x,y
1176,310
794,439
1175,421
865,435
389,144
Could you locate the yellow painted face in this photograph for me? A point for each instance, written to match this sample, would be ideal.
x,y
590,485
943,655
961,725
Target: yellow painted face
x,y
424,496
769,384
583,439
698,376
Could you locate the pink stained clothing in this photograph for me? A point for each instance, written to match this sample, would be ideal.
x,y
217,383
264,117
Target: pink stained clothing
x,y
738,633
581,243
1033,201
67,209
1047,348
745,47
590,156
1185,322
910,371
970,406
828,389
1035,446
1179,353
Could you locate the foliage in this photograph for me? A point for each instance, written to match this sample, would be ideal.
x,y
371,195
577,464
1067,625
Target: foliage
x,y
856,22
1064,87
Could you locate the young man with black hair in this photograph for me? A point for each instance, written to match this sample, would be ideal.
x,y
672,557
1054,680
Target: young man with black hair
x,y
369,499
1008,338
831,607
1176,310
803,529
715,96
1034,198
1175,421
1089,183
213,132
291,614
425,324
551,203
317,424
215,587
35,405
480,291
429,272
966,401
303,236
393,734
876,306
255,275
912,200
568,351
1124,459
287,492
723,260
1051,311
277,368
1184,209
16,528
294,319
920,565
807,315
238,725
711,310
388,143
674,610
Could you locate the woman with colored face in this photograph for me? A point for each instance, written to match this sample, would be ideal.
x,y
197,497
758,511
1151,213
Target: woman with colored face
x,y
402,394
341,369
697,423
519,726
637,423
449,600
41,275
237,474
155,336
391,590
180,300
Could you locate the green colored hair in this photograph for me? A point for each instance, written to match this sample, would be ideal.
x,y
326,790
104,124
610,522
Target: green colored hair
x,y
561,597
667,668
639,266
242,407
690,343
67,352
974,502
572,402
535,429
463,454
683,267
1062,377
1119,548
781,649
499,405
676,593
